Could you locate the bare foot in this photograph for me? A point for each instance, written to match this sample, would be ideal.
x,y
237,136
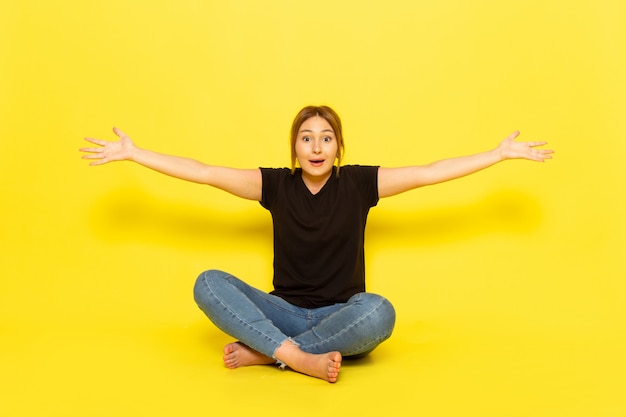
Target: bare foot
x,y
237,354
325,366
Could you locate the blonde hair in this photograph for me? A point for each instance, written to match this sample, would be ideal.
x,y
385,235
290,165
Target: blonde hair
x,y
327,114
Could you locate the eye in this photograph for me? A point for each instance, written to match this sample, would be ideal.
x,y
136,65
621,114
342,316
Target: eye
x,y
327,139
306,139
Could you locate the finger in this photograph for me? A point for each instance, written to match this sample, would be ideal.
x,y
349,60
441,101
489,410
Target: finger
x,y
119,132
96,141
513,135
93,156
92,150
541,156
534,144
98,162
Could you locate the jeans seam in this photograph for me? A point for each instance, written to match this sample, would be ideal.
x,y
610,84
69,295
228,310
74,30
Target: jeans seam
x,y
285,310
345,329
234,314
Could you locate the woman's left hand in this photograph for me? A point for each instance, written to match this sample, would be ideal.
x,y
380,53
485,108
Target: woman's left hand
x,y
510,149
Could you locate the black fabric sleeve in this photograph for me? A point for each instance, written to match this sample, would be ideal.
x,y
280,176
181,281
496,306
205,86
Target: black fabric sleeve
x,y
271,177
366,180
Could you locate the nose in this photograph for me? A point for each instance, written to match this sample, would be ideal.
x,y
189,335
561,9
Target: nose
x,y
316,146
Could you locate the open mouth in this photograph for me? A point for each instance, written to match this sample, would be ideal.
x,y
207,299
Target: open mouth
x,y
316,162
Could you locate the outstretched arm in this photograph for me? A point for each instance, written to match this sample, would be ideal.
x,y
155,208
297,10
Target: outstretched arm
x,y
245,183
392,181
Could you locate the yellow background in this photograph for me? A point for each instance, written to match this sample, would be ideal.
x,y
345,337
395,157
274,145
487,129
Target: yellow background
x,y
509,284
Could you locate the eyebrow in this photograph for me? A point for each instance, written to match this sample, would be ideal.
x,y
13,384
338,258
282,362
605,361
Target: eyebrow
x,y
310,131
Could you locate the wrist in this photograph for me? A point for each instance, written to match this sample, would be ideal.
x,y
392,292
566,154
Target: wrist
x,y
497,155
135,154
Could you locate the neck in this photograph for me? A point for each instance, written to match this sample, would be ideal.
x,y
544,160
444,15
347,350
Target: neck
x,y
315,183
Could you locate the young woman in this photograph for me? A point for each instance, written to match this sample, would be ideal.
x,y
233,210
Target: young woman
x,y
318,311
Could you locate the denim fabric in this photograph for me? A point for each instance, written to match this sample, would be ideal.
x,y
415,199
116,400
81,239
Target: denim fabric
x,y
263,321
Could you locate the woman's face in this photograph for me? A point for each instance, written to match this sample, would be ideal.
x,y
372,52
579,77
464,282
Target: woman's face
x,y
316,149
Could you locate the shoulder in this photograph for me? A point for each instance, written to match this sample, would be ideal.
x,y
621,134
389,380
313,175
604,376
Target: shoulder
x,y
275,174
359,171
358,168
363,179
275,171
276,181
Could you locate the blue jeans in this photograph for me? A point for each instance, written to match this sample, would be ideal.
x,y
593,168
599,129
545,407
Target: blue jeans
x,y
264,321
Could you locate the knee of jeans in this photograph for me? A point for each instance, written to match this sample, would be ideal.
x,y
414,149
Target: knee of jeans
x,y
203,281
383,313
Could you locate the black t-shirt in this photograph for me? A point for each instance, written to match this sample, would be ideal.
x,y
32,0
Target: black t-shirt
x,y
318,238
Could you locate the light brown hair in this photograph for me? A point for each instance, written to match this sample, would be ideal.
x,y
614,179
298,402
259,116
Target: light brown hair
x,y
327,114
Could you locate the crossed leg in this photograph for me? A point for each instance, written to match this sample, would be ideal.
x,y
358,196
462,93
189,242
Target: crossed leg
x,y
325,366
262,323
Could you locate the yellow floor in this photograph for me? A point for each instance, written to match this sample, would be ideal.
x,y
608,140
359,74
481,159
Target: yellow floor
x,y
435,368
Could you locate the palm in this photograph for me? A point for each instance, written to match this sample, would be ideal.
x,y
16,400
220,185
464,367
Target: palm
x,y
510,149
119,150
109,151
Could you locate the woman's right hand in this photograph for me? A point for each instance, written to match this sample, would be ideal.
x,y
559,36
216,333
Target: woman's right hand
x,y
109,151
